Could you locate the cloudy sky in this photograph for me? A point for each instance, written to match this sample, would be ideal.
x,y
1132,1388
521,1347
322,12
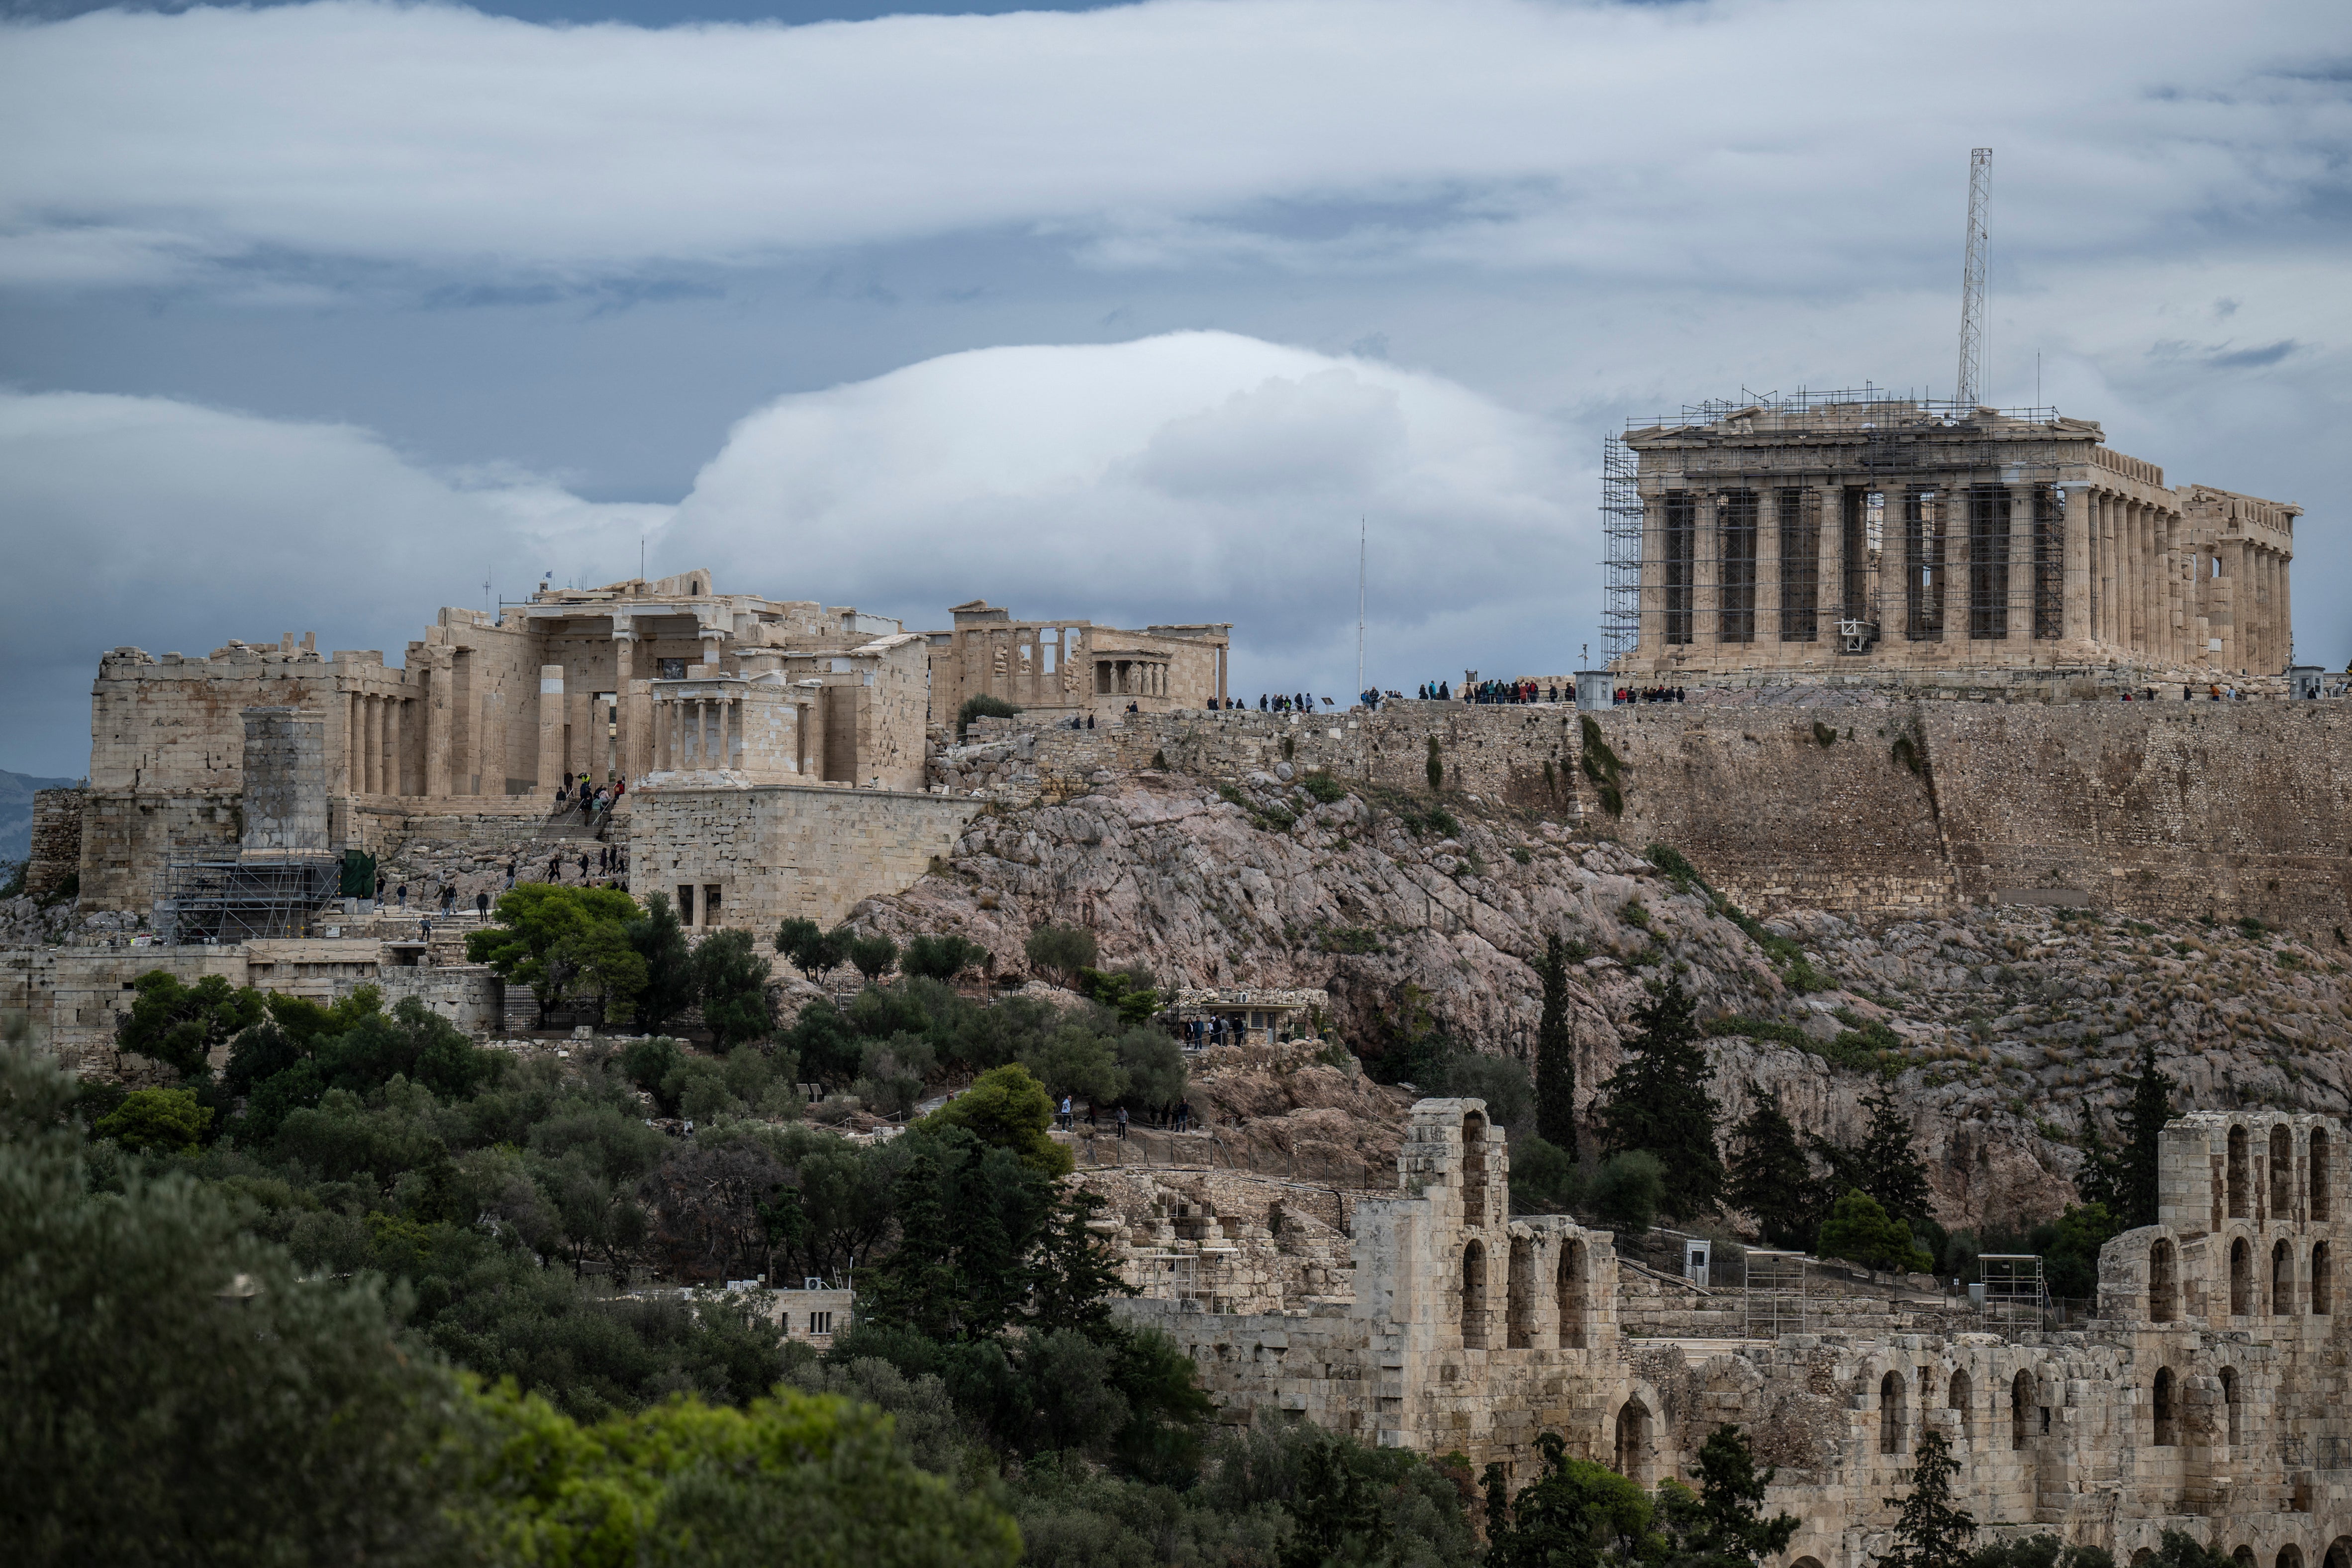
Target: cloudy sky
x,y
315,317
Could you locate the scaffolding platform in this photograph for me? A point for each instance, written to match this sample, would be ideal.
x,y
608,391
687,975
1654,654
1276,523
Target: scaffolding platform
x,y
245,898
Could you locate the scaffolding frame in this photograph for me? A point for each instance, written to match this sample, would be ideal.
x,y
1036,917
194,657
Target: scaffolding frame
x,y
233,899
2015,1294
1907,447
1778,1294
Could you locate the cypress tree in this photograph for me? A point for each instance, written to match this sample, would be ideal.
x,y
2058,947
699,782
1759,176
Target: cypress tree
x,y
1769,1174
1888,1162
1724,1525
1930,1532
2144,1117
1658,1101
2101,1180
1555,1053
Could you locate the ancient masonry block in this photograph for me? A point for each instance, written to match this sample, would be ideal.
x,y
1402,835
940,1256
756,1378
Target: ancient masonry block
x,y
2207,1396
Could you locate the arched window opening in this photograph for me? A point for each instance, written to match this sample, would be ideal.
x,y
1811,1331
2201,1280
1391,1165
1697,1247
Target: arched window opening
x,y
2339,1553
2163,1403
1520,1295
2239,1195
2282,1173
2290,1555
1634,1441
2021,1410
1890,1414
2230,1403
1571,1296
2323,1279
2242,1279
1474,1169
2244,1557
1473,1297
2282,1281
2163,1282
2143,1557
1961,1391
2319,1177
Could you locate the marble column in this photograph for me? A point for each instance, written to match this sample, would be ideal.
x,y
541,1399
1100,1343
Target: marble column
x,y
1830,566
1706,573
1767,573
625,715
2020,568
439,709
551,765
2076,574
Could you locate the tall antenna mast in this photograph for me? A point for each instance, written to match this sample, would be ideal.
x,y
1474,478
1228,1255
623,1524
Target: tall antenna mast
x,y
1972,279
1359,606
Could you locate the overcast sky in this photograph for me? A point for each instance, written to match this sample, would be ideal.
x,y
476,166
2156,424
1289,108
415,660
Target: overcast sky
x,y
317,317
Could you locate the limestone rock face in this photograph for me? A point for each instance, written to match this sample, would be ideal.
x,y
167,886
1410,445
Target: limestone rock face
x,y
2003,1025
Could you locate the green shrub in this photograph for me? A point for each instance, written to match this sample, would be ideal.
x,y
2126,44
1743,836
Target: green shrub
x,y
1062,950
1861,1232
168,1121
940,958
1823,736
1355,941
1544,1180
1320,785
1602,767
1435,768
983,707
1627,1189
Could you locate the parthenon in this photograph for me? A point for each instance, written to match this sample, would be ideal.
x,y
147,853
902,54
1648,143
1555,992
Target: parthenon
x,y
1855,531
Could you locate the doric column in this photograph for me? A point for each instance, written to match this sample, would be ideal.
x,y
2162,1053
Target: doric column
x,y
1768,572
383,759
2282,568
1953,514
2103,583
2021,569
1706,573
439,709
1831,562
2134,607
552,766
2077,580
2176,578
625,718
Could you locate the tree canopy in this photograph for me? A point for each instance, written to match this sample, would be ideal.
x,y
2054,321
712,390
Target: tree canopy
x,y
564,942
1658,1101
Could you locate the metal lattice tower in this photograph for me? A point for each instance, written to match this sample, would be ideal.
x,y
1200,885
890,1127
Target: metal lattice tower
x,y
1972,280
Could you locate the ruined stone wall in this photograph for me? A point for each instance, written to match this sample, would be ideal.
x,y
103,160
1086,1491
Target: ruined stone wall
x,y
1468,1332
175,725
893,708
2172,809
127,837
777,851
56,852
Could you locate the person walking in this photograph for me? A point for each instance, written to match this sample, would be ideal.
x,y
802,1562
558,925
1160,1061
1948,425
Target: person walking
x,y
482,908
1122,1123
1066,1113
404,895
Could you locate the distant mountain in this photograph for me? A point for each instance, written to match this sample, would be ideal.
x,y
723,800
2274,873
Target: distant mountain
x,y
16,811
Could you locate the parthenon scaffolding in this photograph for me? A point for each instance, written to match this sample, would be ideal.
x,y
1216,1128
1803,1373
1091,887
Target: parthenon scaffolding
x,y
1852,530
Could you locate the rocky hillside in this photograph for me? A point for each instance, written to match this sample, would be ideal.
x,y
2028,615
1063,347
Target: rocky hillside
x,y
2003,1025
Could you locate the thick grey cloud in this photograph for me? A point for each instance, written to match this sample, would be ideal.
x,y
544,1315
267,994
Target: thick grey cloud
x,y
465,270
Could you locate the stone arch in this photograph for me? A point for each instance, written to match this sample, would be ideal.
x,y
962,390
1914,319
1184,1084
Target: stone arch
x,y
2339,1553
1806,1562
2229,1403
2240,1178
2320,1178
2281,1171
2244,1557
2289,1556
2242,1279
2323,1279
1894,1395
2282,1279
1632,1445
1474,1296
2021,1410
2143,1556
1961,1393
2164,1407
1571,1288
1474,1168
2163,1281
1519,1295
